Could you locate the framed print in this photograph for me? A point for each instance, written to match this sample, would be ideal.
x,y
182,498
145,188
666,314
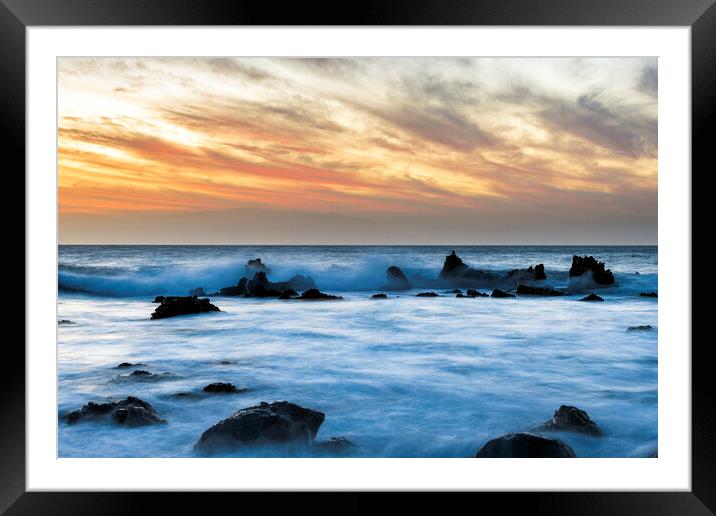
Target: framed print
x,y
425,251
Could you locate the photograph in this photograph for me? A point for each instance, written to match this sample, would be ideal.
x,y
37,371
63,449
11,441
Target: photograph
x,y
357,257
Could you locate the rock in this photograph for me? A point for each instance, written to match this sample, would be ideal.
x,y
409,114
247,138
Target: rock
x,y
454,291
649,294
199,291
65,321
238,290
524,445
125,365
260,286
278,422
254,266
538,291
223,388
592,297
173,306
645,327
587,264
474,293
456,271
315,294
396,279
130,412
535,273
142,373
227,362
289,293
335,446
427,294
379,296
570,419
500,293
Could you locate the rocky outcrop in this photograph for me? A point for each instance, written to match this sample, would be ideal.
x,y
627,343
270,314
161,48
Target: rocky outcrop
x,y
525,445
570,419
379,296
456,272
644,327
238,290
129,412
587,267
427,294
171,306
474,293
266,423
592,297
314,294
396,279
221,387
535,273
260,286
649,294
501,293
538,291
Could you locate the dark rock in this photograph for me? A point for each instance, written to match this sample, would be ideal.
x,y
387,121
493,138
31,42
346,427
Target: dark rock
x,y
254,266
142,373
237,290
538,291
474,293
314,294
199,291
427,294
335,446
535,273
570,419
396,279
649,294
289,293
500,293
130,412
524,445
587,264
452,266
456,271
454,291
592,297
221,387
65,321
278,422
645,327
173,306
227,362
125,365
379,296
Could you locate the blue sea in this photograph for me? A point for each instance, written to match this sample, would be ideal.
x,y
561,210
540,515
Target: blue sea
x,y
402,377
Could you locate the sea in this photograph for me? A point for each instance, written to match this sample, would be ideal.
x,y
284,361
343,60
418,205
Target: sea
x,y
405,376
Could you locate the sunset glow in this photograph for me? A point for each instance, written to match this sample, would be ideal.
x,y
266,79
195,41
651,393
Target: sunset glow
x,y
484,143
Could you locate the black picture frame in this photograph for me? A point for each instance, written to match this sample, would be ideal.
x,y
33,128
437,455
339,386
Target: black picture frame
x,y
17,15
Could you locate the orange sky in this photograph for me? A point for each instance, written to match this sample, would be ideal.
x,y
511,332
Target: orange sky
x,y
570,142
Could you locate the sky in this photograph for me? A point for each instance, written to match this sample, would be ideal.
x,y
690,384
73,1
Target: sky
x,y
357,150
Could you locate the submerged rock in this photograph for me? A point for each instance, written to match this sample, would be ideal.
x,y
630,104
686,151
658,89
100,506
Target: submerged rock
x,y
315,294
582,265
649,294
265,423
396,279
65,321
221,387
186,396
570,419
125,365
592,297
335,446
379,296
538,291
525,445
427,294
500,293
130,412
173,306
644,327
